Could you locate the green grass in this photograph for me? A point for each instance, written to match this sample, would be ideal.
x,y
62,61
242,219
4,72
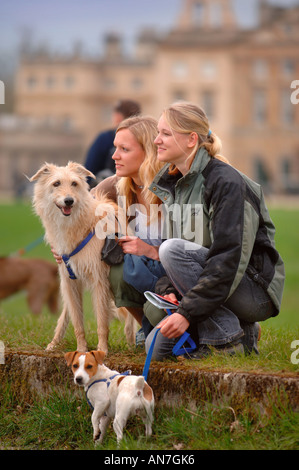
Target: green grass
x,y
287,241
62,420
20,329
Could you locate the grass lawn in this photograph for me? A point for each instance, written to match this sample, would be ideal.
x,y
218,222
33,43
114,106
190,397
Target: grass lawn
x,y
19,329
54,421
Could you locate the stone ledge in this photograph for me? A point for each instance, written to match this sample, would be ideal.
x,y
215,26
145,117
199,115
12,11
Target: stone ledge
x,y
30,375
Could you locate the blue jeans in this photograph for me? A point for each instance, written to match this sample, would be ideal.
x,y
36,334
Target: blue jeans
x,y
232,320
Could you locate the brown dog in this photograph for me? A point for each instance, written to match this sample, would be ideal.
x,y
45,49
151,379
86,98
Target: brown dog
x,y
37,276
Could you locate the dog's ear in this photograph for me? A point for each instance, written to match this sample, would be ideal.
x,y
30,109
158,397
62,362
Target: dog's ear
x,y
69,357
80,169
99,356
44,170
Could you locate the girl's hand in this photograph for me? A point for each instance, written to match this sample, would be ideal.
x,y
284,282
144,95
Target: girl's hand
x,y
173,326
171,297
135,246
56,256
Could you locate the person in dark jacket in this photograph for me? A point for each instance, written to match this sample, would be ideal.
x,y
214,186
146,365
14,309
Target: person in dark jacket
x,y
220,259
99,156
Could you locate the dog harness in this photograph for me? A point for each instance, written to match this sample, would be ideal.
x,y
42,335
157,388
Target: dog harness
x,y
107,381
66,258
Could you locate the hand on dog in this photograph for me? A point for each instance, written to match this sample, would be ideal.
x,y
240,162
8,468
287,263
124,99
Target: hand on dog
x,y
56,256
135,246
173,326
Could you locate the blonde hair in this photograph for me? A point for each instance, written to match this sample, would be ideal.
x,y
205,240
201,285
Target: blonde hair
x,y
144,129
185,117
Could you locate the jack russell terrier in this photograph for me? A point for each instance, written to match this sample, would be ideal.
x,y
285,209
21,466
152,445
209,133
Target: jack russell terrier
x,y
111,395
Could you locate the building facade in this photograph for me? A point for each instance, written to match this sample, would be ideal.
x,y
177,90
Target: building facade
x,y
242,79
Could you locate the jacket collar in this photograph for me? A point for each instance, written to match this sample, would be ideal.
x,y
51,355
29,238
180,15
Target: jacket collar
x,y
168,182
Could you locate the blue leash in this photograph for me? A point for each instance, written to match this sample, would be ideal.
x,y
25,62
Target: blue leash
x,y
66,258
177,350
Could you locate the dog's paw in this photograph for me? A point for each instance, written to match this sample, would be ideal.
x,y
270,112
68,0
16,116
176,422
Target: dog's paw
x,y
97,438
102,348
51,346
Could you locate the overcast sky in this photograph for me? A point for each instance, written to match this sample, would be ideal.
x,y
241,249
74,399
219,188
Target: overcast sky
x,y
59,23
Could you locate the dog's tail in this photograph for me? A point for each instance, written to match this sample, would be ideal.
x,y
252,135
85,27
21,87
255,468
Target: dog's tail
x,y
139,386
144,392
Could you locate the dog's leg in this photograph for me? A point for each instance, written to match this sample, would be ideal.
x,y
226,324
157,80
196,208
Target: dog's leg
x,y
61,326
123,314
130,328
72,294
104,423
148,420
120,420
101,303
96,417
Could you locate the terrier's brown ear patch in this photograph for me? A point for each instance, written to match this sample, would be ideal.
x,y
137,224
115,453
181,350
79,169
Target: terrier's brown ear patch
x,y
120,379
69,357
99,356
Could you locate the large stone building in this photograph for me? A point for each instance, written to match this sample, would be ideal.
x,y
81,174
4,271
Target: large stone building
x,y
242,78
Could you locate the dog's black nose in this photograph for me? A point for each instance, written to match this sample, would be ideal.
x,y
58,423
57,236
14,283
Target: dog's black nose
x,y
79,380
69,201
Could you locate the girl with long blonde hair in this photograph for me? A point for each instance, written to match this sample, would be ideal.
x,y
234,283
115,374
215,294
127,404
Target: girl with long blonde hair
x,y
229,276
136,164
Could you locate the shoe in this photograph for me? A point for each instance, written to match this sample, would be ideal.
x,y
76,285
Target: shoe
x,y
140,339
252,334
230,349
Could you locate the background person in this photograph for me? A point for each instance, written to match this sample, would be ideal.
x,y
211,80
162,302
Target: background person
x,y
99,156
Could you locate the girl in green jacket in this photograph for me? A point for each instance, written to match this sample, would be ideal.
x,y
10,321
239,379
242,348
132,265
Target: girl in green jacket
x,y
226,272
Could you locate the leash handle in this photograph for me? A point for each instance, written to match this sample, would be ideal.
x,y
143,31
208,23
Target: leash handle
x,y
177,350
179,347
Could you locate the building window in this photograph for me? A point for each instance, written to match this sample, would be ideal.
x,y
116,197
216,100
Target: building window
x,y
109,83
260,69
259,106
67,123
208,103
216,15
179,95
208,69
261,173
69,82
50,82
106,114
198,14
31,82
137,83
288,68
179,69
